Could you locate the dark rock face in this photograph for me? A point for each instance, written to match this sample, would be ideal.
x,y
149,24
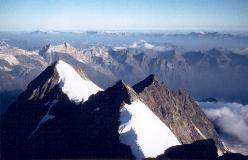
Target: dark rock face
x,y
6,97
87,130
210,99
178,111
201,149
19,121
98,122
233,156
143,84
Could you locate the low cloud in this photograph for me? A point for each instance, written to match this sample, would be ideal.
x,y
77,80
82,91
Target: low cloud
x,y
231,119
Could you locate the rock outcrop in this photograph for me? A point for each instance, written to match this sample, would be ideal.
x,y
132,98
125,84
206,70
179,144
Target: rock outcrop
x,y
200,149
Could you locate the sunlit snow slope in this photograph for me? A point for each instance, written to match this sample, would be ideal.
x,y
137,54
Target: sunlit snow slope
x,y
73,85
144,132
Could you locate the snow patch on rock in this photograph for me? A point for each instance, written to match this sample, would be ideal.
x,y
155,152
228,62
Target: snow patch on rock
x,y
198,130
10,59
148,46
45,118
5,69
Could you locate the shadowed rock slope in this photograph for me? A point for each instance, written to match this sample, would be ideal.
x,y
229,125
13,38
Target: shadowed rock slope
x,y
200,149
45,123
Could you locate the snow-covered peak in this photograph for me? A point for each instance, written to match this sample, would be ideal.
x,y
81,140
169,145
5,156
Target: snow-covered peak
x,y
15,56
143,131
76,87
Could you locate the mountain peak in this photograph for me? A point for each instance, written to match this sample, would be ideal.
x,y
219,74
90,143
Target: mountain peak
x,y
139,87
72,82
151,77
41,85
127,91
60,48
75,83
60,64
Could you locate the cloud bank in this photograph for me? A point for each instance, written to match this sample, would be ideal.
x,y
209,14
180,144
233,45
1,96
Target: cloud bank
x,y
231,121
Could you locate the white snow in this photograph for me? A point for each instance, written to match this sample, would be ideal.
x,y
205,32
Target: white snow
x,y
144,132
219,152
43,120
142,44
73,85
198,130
119,48
9,58
46,117
148,46
7,69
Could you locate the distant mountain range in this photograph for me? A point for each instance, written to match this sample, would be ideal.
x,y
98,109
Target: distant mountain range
x,y
218,73
209,34
63,114
213,34
203,40
17,68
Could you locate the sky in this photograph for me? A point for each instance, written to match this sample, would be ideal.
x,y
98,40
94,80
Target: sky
x,y
22,15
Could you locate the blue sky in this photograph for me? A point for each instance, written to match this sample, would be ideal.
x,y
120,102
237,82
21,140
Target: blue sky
x,y
17,15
